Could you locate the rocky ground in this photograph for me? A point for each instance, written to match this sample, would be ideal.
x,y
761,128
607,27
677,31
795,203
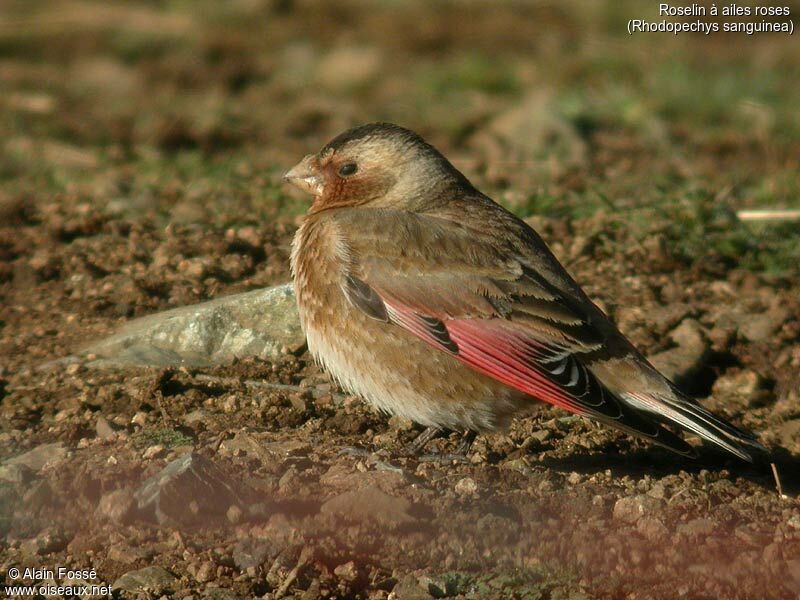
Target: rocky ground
x,y
141,172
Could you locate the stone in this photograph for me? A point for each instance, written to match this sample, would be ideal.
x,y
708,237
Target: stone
x,y
633,508
466,487
150,580
743,383
574,478
205,572
15,473
541,435
347,571
45,543
398,423
373,505
759,328
685,360
39,457
251,553
667,317
103,428
409,588
262,323
39,496
152,452
190,489
196,416
234,514
341,477
116,506
657,491
651,528
697,528
789,433
740,386
218,593
722,338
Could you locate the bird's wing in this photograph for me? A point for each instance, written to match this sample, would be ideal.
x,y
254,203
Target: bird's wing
x,y
463,293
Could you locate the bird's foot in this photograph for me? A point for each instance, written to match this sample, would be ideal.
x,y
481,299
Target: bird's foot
x,y
465,443
458,455
418,444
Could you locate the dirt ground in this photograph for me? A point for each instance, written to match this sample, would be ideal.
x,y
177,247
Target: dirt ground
x,y
140,171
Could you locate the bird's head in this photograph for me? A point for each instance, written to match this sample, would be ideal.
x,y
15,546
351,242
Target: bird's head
x,y
377,165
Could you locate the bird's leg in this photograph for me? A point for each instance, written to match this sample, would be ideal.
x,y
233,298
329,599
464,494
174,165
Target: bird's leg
x,y
465,443
459,454
419,443
413,448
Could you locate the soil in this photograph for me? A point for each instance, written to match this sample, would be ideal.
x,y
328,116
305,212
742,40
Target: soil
x,y
315,495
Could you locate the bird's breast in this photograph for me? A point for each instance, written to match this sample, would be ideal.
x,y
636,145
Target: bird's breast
x,y
379,361
315,268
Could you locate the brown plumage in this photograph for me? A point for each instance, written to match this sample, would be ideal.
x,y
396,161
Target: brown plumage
x,y
424,297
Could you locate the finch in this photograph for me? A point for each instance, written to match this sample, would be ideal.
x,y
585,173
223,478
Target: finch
x,y
427,299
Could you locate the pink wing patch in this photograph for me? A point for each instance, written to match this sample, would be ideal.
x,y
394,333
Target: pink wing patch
x,y
496,353
491,348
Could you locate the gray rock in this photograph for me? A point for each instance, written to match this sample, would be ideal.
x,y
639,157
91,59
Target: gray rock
x,y
36,459
262,323
154,580
189,490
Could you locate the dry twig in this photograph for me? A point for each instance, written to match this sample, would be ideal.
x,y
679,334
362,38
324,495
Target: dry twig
x,y
768,215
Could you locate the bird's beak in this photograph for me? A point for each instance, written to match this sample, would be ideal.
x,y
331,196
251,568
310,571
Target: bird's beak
x,y
305,175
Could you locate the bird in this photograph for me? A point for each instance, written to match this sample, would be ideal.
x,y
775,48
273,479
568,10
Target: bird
x,y
424,297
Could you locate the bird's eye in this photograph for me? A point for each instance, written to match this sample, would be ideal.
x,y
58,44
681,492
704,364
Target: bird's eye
x,y
348,169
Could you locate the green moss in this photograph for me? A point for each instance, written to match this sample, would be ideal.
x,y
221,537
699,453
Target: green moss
x,y
169,438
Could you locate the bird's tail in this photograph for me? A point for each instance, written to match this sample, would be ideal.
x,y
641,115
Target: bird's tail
x,y
689,415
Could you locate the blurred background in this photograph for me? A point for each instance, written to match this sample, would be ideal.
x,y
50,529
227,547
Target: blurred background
x,y
192,109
